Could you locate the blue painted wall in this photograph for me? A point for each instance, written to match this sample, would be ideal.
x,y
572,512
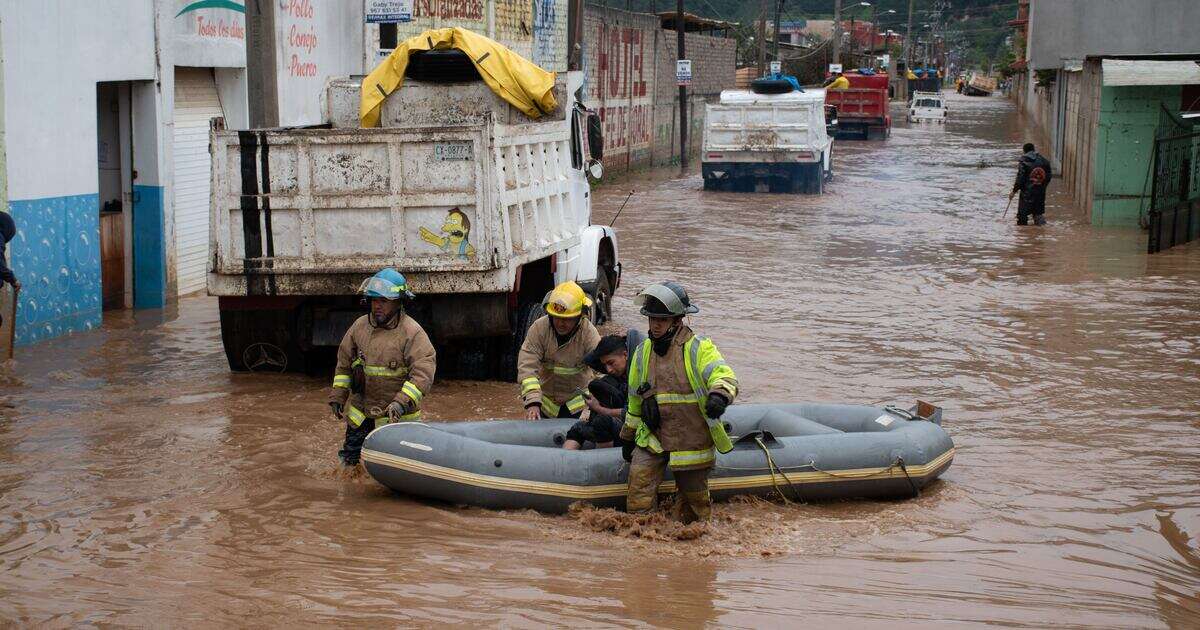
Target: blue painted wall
x,y
56,256
149,251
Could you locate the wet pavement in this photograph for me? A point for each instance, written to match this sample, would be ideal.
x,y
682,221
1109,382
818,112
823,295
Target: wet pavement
x,y
143,484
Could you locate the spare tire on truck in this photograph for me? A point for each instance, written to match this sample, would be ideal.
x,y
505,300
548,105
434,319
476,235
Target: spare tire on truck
x,y
771,86
441,66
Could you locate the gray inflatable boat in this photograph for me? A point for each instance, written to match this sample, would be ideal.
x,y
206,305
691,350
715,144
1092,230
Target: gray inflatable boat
x,y
805,451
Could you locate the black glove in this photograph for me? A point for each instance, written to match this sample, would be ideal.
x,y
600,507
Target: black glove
x,y
627,451
715,406
650,415
358,379
337,408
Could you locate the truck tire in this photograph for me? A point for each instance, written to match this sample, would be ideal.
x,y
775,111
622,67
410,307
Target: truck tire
x,y
441,66
602,300
261,341
771,86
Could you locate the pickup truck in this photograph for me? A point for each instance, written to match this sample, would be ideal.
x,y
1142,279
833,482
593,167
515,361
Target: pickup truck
x,y
767,142
482,208
863,107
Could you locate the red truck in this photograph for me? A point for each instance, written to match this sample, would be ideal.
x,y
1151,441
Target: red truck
x,y
862,109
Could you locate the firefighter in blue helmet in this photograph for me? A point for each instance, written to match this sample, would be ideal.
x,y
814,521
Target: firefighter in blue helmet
x,y
679,387
385,365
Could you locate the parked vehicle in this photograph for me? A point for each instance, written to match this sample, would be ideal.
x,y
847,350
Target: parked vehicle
x,y
927,107
481,207
767,142
979,85
863,107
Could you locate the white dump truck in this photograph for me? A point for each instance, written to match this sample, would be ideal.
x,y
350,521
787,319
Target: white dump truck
x,y
927,107
481,207
768,142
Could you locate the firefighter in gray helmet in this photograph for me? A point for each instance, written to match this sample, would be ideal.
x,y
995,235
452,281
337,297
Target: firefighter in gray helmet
x,y
679,387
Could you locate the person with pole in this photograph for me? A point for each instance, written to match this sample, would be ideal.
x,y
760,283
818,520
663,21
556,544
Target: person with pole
x,y
679,387
1033,175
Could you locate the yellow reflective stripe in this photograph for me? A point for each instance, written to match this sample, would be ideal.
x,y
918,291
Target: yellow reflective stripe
x,y
412,391
676,399
680,459
566,369
383,370
356,362
632,421
576,404
550,407
341,380
530,384
355,416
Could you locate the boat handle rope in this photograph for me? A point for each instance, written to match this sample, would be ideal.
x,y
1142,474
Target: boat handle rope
x,y
773,468
771,463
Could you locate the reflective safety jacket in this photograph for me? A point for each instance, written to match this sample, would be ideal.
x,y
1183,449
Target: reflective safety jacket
x,y
680,383
398,363
552,375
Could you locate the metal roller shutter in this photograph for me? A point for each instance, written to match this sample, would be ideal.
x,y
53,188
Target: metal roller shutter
x,y
196,103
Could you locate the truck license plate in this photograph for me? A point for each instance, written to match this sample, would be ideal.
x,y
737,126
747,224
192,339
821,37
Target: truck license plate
x,y
452,151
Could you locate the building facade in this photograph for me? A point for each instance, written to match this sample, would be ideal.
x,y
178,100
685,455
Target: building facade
x,y
1097,76
108,106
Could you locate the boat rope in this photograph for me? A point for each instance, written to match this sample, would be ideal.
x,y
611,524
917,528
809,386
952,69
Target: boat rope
x,y
771,462
915,489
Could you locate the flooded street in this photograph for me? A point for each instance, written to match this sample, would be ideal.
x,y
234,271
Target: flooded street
x,y
141,483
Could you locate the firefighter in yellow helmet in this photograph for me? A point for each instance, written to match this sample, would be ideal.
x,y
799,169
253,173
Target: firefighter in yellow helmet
x,y
679,387
550,367
385,365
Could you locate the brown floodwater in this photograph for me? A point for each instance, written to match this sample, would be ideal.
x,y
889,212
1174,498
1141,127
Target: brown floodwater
x,y
143,484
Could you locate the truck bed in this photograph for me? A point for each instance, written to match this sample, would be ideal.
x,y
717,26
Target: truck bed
x,y
305,208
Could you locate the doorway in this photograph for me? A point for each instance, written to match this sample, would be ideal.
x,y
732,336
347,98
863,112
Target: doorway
x,y
114,158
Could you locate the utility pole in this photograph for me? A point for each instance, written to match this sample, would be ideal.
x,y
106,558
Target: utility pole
x,y
837,30
762,38
683,119
908,38
778,8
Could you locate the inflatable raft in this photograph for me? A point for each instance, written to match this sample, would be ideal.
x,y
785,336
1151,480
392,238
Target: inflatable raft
x,y
805,451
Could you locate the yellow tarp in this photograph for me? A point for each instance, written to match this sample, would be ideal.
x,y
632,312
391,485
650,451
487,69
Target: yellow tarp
x,y
513,77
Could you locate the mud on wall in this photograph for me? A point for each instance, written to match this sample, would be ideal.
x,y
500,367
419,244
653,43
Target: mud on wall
x,y
629,78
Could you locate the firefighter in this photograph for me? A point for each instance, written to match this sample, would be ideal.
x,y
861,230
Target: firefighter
x,y
550,367
679,387
385,365
1033,175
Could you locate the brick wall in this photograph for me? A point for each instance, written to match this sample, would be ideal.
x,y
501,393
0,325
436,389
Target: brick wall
x,y
629,63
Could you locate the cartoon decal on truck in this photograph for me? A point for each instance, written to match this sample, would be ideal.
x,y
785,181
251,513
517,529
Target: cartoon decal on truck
x,y
455,234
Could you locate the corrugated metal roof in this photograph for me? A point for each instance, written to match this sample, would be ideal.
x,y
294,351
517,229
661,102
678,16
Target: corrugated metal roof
x,y
1149,72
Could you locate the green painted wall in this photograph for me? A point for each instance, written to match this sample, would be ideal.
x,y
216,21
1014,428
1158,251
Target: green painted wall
x,y
1124,147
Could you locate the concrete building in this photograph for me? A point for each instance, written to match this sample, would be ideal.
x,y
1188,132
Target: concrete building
x,y
1100,73
628,61
106,108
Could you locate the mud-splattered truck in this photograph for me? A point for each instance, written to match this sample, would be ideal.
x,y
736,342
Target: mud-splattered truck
x,y
481,207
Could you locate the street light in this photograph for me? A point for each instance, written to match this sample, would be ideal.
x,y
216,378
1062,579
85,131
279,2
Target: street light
x,y
853,34
875,29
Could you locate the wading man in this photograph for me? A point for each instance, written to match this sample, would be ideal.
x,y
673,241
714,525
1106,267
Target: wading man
x,y
1033,175
679,387
550,366
385,365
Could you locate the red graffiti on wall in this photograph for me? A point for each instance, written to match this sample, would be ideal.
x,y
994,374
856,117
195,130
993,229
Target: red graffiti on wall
x,y
621,88
461,9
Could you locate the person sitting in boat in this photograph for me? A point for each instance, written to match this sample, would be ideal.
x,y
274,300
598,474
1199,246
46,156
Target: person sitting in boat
x,y
679,388
550,366
385,365
608,395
